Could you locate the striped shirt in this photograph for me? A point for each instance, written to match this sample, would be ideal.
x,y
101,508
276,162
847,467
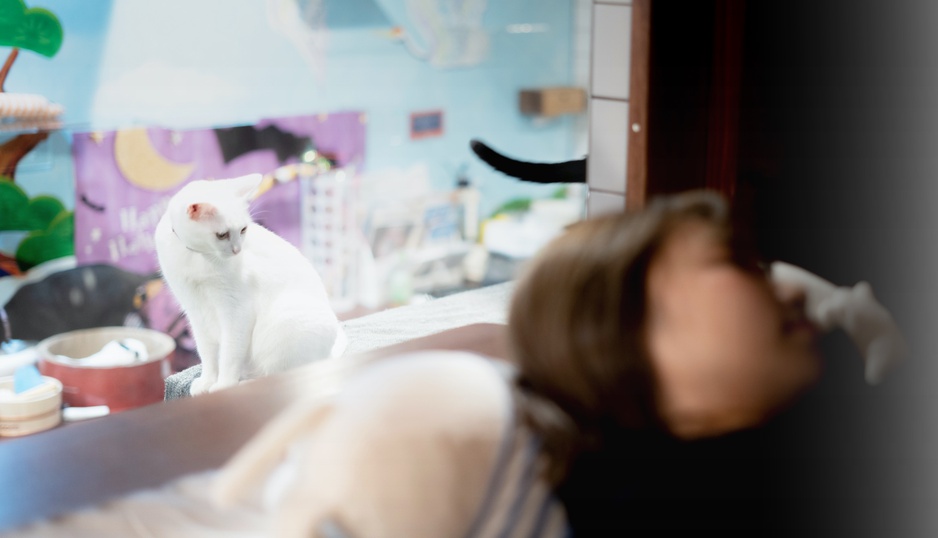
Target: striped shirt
x,y
519,503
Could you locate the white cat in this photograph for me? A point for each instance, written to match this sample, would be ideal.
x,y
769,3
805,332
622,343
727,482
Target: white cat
x,y
855,310
255,304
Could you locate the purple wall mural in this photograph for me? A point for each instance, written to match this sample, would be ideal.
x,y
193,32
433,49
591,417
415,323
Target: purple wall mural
x,y
124,180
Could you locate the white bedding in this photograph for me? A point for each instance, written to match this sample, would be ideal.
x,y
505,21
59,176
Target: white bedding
x,y
396,325
483,305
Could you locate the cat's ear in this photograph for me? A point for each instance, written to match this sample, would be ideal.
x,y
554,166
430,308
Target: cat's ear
x,y
246,186
200,211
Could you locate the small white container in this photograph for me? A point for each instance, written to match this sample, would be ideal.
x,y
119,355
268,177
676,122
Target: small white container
x,y
36,413
15,354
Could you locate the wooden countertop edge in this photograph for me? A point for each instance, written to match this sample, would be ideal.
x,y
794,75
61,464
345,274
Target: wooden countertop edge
x,y
86,464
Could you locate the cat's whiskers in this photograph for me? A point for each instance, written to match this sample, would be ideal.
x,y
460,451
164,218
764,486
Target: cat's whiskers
x,y
256,214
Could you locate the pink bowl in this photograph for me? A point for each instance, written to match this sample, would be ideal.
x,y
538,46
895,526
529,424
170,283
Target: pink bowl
x,y
118,387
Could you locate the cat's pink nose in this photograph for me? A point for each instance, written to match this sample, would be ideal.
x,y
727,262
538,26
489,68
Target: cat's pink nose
x,y
235,250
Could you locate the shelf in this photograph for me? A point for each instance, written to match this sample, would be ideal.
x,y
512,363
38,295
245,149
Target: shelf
x,y
18,127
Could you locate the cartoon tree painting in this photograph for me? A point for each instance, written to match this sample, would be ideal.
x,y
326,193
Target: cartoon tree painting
x,y
37,30
48,224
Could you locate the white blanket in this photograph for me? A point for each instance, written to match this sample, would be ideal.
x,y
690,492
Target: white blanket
x,y
396,325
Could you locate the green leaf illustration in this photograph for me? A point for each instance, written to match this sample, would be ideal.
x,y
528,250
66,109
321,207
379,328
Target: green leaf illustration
x,y
13,203
34,29
19,212
55,242
42,210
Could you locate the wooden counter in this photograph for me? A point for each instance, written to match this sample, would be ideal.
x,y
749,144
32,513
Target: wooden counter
x,y
87,463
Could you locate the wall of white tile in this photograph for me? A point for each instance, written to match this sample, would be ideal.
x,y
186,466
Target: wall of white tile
x,y
612,25
604,203
609,106
608,145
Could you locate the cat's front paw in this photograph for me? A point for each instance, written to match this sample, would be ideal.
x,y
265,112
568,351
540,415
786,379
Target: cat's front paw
x,y
199,386
219,385
832,311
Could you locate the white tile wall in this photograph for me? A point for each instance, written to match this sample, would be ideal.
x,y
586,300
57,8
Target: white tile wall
x,y
603,203
609,113
612,33
608,145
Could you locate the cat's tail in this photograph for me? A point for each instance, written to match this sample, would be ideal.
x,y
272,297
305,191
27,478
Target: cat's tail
x,y
562,172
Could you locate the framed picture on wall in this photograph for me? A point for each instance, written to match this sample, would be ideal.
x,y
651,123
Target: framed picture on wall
x,y
426,124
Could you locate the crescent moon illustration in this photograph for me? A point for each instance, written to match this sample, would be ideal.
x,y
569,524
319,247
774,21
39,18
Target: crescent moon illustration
x,y
143,166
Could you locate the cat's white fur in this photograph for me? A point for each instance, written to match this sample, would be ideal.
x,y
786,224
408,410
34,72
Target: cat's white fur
x,y
855,310
255,304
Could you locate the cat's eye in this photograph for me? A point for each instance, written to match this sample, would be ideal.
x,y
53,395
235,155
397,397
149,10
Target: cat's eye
x,y
244,230
225,235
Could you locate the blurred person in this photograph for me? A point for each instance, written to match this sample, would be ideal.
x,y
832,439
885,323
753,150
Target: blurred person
x,y
675,385
660,381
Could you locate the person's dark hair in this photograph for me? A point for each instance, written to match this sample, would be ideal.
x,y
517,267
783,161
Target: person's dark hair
x,y
576,326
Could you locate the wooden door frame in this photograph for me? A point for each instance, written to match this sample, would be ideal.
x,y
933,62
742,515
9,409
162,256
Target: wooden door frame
x,y
716,151
639,70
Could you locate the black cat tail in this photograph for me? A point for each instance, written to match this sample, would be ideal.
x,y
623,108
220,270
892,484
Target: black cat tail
x,y
562,172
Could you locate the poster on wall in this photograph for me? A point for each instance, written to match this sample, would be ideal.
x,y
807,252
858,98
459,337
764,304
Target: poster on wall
x,y
124,180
